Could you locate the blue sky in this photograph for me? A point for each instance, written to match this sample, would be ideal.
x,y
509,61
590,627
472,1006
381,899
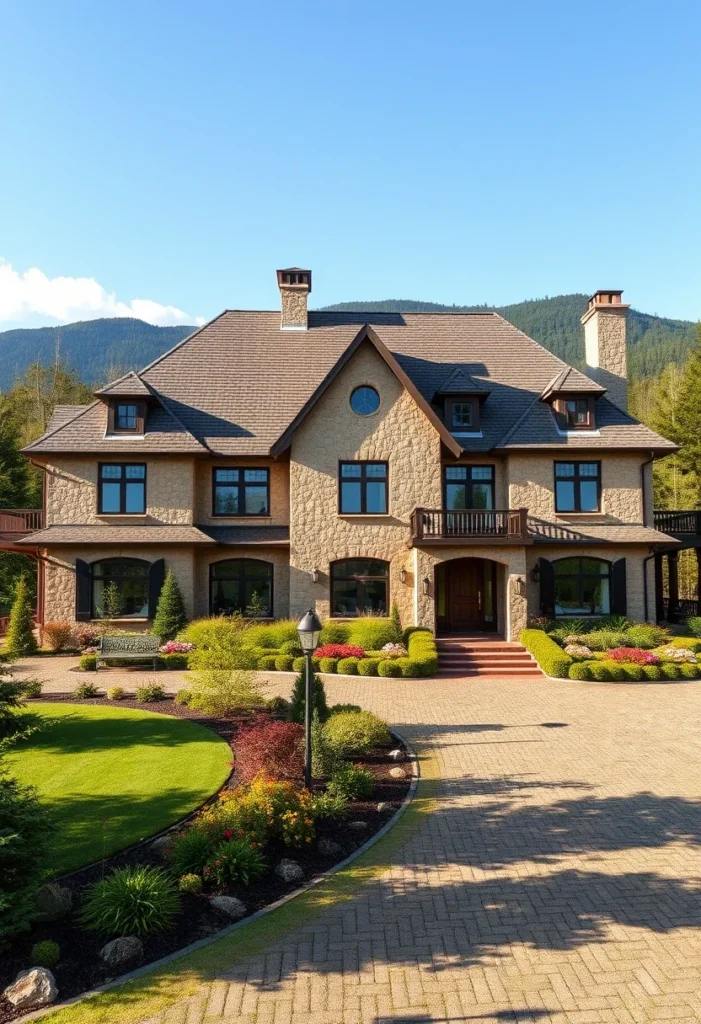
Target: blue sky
x,y
463,152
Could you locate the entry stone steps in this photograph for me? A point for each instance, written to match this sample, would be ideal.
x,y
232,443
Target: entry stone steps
x,y
460,657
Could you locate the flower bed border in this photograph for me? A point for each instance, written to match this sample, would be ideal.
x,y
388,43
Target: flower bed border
x,y
193,947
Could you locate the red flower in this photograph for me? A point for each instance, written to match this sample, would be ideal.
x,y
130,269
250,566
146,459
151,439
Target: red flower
x,y
228,833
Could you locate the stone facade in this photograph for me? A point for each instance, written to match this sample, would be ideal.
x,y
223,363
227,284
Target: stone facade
x,y
294,307
531,480
279,492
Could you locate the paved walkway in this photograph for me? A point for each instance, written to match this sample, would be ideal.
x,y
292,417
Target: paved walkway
x,y
558,880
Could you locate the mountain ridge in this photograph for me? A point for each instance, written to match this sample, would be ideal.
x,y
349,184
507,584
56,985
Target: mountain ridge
x,y
105,348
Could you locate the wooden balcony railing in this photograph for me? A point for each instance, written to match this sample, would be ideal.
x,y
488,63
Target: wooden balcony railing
x,y
469,524
21,520
678,522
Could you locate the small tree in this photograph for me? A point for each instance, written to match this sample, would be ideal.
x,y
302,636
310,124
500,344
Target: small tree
x,y
20,633
170,614
396,623
319,706
111,602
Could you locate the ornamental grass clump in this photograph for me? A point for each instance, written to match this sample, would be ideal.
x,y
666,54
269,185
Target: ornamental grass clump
x,y
232,861
190,851
131,901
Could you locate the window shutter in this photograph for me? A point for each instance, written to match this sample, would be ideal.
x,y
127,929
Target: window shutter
x,y
83,579
618,587
547,587
156,575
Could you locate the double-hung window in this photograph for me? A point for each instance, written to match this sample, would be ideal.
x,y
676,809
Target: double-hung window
x,y
363,488
122,488
241,492
577,486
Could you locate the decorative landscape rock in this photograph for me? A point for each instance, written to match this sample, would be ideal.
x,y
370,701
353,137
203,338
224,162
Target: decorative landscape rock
x,y
289,871
119,954
357,826
396,755
160,845
328,848
32,988
383,806
397,773
228,905
52,902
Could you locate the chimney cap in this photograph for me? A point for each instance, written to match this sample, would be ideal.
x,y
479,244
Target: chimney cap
x,y
606,295
294,277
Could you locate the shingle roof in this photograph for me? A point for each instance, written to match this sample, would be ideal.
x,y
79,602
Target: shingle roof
x,y
278,536
619,533
62,414
237,383
97,534
460,383
571,381
130,385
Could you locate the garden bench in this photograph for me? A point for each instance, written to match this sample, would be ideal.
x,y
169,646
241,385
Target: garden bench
x,y
129,648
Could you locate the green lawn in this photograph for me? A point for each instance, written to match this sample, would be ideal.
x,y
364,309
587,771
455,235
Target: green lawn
x,y
113,776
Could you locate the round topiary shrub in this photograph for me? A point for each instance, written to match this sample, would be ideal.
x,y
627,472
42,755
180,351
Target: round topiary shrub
x,y
327,664
190,883
616,671
670,670
389,668
183,695
291,647
689,671
580,670
45,954
368,666
267,663
298,664
348,666
88,663
353,732
116,693
284,662
652,672
599,671
411,668
634,673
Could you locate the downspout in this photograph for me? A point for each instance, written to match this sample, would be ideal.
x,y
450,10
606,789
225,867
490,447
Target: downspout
x,y
645,598
646,602
642,484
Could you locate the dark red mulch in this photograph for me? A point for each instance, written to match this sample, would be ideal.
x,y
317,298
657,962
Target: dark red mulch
x,y
80,968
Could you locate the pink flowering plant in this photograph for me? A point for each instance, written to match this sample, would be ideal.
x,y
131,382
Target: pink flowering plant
x,y
339,651
176,647
678,654
634,656
578,651
394,651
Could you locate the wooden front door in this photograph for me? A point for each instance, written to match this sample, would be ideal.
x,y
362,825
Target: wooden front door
x,y
470,595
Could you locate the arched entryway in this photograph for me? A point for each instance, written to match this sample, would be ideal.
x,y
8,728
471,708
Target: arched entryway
x,y
466,596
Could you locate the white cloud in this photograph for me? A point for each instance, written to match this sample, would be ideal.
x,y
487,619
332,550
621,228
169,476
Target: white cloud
x,y
34,297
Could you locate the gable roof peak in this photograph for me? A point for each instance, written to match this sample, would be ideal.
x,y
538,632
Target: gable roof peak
x,y
460,382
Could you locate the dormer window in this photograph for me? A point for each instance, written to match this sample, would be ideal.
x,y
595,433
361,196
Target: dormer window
x,y
462,414
575,413
126,416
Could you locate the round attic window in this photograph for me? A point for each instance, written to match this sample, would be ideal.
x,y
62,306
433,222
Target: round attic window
x,y
365,400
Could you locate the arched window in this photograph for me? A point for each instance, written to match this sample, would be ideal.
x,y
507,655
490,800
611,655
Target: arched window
x,y
243,585
582,586
120,588
359,586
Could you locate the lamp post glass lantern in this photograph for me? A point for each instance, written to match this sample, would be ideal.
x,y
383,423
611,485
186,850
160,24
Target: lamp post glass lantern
x,y
308,631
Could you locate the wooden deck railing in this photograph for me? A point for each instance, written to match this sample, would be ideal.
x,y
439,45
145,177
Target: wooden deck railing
x,y
21,520
468,524
678,522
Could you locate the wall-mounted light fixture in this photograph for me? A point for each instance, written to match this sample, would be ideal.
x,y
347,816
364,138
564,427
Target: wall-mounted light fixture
x,y
535,573
314,575
520,586
426,584
402,575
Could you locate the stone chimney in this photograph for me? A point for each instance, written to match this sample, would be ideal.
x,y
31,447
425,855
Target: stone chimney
x,y
295,285
605,344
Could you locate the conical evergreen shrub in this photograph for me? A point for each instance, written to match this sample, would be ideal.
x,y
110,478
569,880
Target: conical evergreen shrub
x,y
396,623
319,705
20,632
170,613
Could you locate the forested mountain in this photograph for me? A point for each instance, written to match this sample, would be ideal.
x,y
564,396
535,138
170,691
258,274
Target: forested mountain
x,y
653,341
101,349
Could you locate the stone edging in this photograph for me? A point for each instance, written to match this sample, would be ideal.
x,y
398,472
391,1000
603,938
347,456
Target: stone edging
x,y
264,911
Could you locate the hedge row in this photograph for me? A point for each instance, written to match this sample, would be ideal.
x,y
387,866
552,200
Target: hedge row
x,y
421,660
616,671
551,658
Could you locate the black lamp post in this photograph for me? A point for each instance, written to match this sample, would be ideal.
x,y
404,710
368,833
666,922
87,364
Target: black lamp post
x,y
308,631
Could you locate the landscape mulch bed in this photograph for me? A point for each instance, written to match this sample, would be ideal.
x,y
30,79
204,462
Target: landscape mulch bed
x,y
80,967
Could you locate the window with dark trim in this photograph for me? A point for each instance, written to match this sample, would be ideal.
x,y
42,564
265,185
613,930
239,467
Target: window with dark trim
x,y
462,414
359,586
120,588
575,413
126,417
121,488
241,492
362,488
468,487
582,586
241,586
577,486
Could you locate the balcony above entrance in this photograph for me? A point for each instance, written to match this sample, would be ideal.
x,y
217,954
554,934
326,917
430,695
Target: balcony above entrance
x,y
469,526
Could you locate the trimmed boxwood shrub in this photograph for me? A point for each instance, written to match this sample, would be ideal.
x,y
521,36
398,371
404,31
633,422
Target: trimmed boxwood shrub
x,y
688,671
353,732
347,666
298,664
694,625
670,670
174,661
616,670
600,671
652,672
284,662
580,670
327,664
551,658
267,663
88,663
412,668
389,667
291,647
410,630
368,666
634,673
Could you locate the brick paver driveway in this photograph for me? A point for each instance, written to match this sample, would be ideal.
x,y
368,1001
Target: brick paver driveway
x,y
559,878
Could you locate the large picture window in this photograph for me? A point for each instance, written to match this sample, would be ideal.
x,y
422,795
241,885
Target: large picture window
x,y
577,486
241,586
120,589
363,488
359,586
241,492
468,487
582,586
122,488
